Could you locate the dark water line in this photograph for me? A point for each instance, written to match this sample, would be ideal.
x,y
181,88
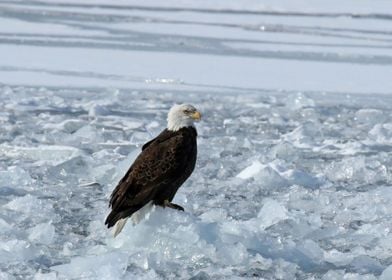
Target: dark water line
x,y
382,16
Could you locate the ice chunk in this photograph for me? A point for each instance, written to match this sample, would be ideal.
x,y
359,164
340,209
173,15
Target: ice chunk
x,y
333,275
6,276
284,149
285,270
202,275
271,213
45,276
73,170
4,226
71,126
15,176
27,203
359,169
103,174
365,264
338,258
42,233
386,274
264,174
41,152
99,107
151,125
98,110
142,275
251,170
270,178
358,276
87,134
16,250
168,234
382,133
370,116
312,251
68,126
215,214
232,254
341,275
304,135
110,266
298,177
298,101
139,137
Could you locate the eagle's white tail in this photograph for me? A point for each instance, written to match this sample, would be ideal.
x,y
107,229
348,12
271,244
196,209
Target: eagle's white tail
x,y
142,213
136,218
119,226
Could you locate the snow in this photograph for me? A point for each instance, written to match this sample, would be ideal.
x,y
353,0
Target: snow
x,y
293,178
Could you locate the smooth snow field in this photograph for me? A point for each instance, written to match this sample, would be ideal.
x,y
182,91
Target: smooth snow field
x,y
293,178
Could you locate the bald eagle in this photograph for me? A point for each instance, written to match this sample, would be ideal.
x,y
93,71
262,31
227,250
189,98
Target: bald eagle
x,y
160,169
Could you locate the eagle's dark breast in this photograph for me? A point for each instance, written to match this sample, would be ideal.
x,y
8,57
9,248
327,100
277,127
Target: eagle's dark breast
x,y
161,168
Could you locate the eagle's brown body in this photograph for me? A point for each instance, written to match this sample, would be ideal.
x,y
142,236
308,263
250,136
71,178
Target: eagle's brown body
x,y
161,168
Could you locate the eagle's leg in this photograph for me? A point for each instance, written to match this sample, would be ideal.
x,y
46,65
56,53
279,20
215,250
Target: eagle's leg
x,y
167,203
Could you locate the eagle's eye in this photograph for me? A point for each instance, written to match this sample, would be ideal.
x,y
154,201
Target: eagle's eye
x,y
187,111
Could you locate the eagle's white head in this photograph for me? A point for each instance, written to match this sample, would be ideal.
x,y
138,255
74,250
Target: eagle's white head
x,y
182,115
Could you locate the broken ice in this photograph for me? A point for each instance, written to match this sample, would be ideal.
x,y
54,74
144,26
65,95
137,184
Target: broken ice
x,y
293,179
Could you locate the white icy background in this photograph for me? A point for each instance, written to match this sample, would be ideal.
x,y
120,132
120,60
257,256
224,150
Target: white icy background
x,y
293,179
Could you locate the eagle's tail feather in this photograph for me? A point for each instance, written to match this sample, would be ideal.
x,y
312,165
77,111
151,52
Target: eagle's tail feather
x,y
141,213
119,219
114,216
111,219
119,226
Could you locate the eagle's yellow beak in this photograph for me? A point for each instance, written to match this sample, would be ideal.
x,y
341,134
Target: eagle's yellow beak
x,y
196,116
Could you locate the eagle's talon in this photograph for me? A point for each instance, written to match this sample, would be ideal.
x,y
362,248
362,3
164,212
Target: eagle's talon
x,y
177,207
167,203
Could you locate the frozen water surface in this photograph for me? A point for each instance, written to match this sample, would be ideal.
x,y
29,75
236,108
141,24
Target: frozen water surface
x,y
296,198
293,179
